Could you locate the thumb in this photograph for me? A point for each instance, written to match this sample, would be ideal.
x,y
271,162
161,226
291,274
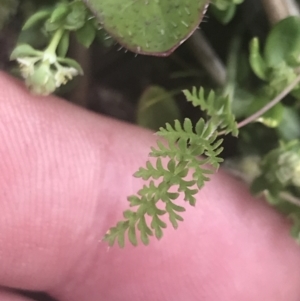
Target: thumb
x,y
60,166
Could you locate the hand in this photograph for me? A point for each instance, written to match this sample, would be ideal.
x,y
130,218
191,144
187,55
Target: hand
x,y
64,177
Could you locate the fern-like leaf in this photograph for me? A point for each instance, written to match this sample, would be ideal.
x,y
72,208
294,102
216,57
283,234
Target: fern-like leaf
x,y
216,107
191,155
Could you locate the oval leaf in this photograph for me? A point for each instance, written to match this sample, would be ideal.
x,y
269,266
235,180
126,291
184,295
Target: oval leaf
x,y
156,107
283,42
154,27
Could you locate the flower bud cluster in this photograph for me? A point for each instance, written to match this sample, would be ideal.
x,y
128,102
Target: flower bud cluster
x,y
43,71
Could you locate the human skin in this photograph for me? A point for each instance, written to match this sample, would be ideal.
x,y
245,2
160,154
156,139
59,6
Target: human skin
x,y
64,177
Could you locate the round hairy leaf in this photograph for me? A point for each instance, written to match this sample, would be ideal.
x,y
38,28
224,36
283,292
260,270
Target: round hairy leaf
x,y
154,27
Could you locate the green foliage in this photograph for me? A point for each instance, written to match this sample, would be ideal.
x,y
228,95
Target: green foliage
x,y
226,4
156,107
154,27
217,108
183,165
280,169
273,117
279,181
187,154
224,10
45,71
87,33
70,16
277,66
281,56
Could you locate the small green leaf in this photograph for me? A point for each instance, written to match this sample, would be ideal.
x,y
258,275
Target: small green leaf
x,y
51,26
175,207
132,235
77,16
63,45
71,63
121,239
134,200
60,12
289,128
128,214
118,232
271,118
283,42
174,218
144,238
24,50
171,166
218,108
224,4
36,18
257,62
158,233
86,34
226,15
156,107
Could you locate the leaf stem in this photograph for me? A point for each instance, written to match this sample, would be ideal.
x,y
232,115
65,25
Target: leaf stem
x,y
207,57
271,104
290,198
51,49
280,9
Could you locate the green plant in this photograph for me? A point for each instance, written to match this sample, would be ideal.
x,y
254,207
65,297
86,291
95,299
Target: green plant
x,y
185,146
189,153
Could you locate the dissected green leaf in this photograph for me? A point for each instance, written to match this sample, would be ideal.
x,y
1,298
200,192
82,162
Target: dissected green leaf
x,y
154,27
218,108
192,154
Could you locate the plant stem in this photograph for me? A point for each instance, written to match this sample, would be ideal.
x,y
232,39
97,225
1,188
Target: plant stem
x,y
207,58
290,198
271,104
51,49
280,9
